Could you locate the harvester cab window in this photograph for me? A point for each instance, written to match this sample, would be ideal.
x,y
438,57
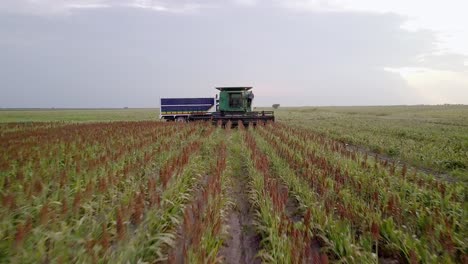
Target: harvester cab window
x,y
235,100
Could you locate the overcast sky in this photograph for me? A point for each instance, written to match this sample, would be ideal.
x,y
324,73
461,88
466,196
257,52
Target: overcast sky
x,y
116,53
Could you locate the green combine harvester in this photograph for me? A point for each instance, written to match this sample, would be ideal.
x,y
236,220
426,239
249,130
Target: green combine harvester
x,y
233,104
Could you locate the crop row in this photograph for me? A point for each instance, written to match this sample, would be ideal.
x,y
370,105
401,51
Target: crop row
x,y
160,192
200,232
370,203
286,238
88,197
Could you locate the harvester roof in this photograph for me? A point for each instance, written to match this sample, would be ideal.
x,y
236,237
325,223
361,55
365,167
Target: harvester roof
x,y
233,88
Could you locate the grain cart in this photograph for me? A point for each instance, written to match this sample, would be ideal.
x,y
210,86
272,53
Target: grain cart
x,y
233,104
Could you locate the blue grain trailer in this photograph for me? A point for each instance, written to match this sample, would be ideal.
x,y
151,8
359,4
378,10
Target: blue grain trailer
x,y
180,109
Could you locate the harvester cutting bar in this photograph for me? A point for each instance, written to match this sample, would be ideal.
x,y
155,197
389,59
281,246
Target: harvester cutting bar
x,y
252,118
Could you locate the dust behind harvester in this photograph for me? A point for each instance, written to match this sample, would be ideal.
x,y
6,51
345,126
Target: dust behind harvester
x,y
233,104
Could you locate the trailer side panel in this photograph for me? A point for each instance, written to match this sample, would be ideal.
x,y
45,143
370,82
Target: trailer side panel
x,y
172,108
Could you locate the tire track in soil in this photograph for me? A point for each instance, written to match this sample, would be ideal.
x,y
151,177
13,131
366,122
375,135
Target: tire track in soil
x,y
243,243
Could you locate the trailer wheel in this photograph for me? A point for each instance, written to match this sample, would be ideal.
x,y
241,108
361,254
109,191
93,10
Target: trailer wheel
x,y
181,119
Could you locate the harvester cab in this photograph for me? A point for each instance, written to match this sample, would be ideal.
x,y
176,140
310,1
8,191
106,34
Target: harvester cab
x,y
234,100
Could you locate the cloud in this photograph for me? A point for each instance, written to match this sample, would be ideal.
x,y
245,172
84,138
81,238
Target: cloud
x,y
246,2
122,55
129,57
438,86
311,5
447,18
43,7
58,7
444,62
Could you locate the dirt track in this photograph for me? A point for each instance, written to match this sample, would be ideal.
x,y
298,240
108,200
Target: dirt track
x,y
243,243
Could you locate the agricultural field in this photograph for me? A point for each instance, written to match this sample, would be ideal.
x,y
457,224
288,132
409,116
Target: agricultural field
x,y
286,192
77,115
434,138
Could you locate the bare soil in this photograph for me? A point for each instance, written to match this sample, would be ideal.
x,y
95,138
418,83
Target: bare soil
x,y
243,243
293,211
